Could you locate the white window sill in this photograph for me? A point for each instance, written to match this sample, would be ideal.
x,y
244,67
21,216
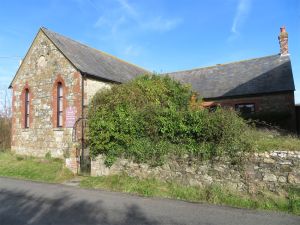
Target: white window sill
x,y
58,129
25,129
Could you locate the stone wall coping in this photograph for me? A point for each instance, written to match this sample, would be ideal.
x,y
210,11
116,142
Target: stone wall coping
x,y
25,129
58,129
274,171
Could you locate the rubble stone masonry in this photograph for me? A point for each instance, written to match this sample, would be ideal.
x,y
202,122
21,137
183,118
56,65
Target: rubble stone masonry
x,y
275,171
91,86
43,67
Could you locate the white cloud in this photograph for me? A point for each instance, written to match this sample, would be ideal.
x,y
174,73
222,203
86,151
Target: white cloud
x,y
241,14
161,24
132,50
112,23
125,15
128,8
122,21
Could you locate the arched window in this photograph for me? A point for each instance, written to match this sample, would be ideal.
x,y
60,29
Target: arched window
x,y
60,104
27,107
59,93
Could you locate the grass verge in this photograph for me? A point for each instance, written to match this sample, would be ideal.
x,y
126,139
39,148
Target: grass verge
x,y
52,170
37,169
268,140
213,194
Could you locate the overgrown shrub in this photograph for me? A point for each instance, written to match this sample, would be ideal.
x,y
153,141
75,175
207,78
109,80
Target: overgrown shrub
x,y
150,117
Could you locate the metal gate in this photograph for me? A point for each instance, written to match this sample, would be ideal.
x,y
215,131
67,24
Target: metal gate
x,y
79,135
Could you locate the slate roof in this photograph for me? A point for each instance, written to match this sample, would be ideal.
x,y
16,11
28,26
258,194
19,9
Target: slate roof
x,y
94,62
254,76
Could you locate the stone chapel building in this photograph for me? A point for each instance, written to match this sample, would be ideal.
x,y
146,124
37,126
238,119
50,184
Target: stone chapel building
x,y
53,86
58,77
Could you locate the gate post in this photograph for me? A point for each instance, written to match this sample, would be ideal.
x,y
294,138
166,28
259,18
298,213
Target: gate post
x,y
73,162
82,154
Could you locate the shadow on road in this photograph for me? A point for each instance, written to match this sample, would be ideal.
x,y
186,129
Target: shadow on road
x,y
21,208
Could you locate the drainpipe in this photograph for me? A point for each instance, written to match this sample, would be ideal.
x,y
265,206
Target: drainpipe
x,y
82,117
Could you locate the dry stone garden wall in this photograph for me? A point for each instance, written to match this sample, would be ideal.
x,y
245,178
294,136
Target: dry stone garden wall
x,y
273,171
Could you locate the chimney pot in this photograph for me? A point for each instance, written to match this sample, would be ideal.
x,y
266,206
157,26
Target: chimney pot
x,y
283,41
282,29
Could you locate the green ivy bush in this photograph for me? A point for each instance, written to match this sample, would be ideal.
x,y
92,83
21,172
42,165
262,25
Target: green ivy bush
x,y
150,118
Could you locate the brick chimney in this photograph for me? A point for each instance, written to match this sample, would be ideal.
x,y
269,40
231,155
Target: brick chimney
x,y
283,41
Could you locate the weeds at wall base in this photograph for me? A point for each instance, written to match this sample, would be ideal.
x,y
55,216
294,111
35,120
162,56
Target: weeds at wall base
x,y
214,194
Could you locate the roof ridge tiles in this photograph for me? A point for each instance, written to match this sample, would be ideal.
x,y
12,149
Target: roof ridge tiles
x,y
224,64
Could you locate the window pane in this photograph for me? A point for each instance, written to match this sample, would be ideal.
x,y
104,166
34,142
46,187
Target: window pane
x,y
245,108
60,119
26,109
59,90
27,121
27,95
59,104
60,107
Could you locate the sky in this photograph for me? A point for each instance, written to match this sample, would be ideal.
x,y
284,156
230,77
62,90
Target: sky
x,y
159,35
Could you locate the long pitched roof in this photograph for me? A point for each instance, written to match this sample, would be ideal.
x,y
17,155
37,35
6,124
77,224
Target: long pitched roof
x,y
255,76
94,62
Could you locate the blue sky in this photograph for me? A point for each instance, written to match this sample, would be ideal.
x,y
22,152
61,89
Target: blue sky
x,y
159,35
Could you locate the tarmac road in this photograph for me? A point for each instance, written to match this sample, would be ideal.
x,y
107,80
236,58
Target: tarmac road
x,y
25,202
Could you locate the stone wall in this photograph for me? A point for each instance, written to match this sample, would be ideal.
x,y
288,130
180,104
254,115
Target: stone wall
x,y
270,171
41,68
73,161
91,86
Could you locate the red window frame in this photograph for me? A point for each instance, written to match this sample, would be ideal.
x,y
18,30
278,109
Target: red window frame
x,y
60,104
27,108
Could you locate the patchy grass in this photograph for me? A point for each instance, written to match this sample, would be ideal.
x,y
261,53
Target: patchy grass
x,y
212,194
37,169
266,140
